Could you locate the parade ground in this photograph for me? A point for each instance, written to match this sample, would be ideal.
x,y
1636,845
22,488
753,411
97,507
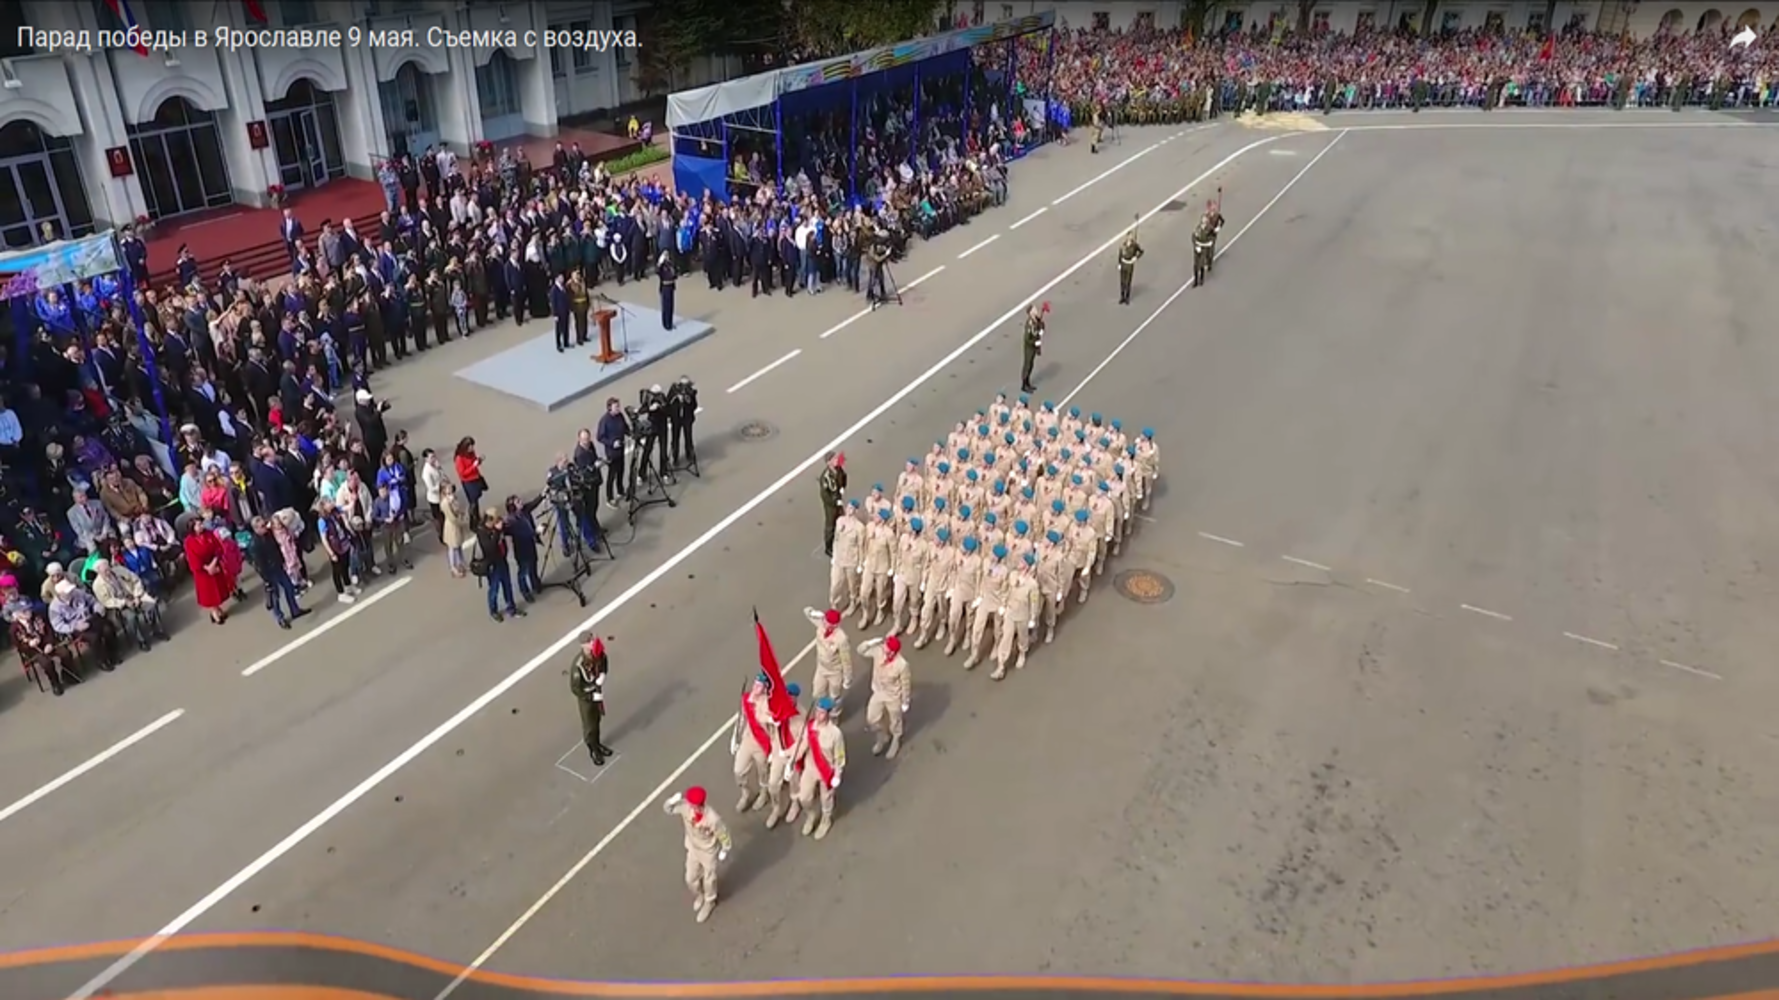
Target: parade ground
x,y
1443,648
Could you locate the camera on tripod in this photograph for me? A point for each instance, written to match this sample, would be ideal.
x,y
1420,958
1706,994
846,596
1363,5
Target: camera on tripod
x,y
648,417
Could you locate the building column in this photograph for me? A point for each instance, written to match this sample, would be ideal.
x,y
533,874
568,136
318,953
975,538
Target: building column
x,y
115,201
359,111
458,102
251,171
537,94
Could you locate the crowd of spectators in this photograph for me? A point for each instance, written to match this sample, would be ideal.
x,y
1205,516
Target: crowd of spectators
x,y
1475,67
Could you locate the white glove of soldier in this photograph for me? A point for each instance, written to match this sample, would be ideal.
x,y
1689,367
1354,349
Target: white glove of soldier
x,y
675,799
977,603
836,782
904,708
722,855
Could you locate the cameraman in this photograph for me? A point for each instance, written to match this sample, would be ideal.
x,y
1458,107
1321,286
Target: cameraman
x,y
877,256
682,410
652,428
573,489
522,530
614,428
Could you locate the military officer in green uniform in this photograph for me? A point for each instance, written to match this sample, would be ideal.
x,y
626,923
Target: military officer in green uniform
x,y
1204,243
833,488
586,678
1099,131
1034,346
1127,266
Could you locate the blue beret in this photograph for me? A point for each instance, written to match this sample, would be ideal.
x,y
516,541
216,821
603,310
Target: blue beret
x,y
826,704
916,523
1000,552
971,544
907,503
1031,558
1021,527
1054,536
793,690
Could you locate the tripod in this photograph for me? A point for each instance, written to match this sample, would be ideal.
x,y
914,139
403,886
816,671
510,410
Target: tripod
x,y
645,474
683,433
885,280
580,556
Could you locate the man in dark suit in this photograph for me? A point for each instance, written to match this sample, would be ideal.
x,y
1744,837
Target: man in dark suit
x,y
560,308
135,256
292,232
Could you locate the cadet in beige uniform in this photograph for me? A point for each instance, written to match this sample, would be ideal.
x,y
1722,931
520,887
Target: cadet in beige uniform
x,y
912,551
1083,541
891,688
821,758
1105,524
991,597
1055,574
1149,463
1019,615
849,555
962,596
880,555
780,771
1120,494
910,483
752,743
941,570
707,845
833,656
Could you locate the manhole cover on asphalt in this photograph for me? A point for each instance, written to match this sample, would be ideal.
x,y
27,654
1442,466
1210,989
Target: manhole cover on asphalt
x,y
755,430
1144,586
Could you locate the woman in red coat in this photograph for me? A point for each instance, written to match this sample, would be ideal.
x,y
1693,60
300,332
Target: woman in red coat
x,y
215,570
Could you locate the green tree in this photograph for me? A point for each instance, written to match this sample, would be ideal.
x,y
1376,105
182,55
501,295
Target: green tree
x,y
1305,10
828,28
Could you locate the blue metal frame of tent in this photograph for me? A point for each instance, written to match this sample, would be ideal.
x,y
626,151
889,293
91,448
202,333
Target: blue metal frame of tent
x,y
700,121
62,265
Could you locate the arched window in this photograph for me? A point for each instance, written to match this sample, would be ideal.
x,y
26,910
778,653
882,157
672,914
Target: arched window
x,y
40,185
497,84
1672,22
1711,20
179,158
1750,19
305,130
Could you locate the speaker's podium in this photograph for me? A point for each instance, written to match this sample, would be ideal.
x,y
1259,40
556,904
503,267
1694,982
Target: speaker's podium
x,y
630,339
606,356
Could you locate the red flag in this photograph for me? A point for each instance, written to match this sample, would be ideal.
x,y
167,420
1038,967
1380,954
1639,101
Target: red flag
x,y
780,702
1550,48
256,12
127,17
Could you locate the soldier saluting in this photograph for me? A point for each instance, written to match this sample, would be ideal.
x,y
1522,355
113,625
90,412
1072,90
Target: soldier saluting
x,y
586,678
833,489
1127,265
1099,130
1204,242
1034,344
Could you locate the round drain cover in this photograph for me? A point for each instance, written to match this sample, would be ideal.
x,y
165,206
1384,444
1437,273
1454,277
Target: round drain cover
x,y
755,430
1144,586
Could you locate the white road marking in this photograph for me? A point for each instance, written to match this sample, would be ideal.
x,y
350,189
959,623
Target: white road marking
x,y
1692,670
848,321
1486,612
744,383
363,604
1120,165
116,748
916,282
1432,126
1283,152
1592,642
599,848
1029,218
1306,562
1134,334
978,246
561,765
1219,538
1387,586
302,833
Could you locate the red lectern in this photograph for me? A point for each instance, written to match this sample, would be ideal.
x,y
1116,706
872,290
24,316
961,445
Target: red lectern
x,y
606,355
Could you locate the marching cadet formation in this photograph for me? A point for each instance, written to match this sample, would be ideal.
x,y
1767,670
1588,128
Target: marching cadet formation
x,y
982,541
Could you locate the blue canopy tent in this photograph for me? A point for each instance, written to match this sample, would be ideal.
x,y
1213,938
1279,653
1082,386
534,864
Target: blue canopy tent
x,y
706,124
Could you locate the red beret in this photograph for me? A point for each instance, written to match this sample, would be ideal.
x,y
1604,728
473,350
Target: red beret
x,y
893,644
832,617
695,797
